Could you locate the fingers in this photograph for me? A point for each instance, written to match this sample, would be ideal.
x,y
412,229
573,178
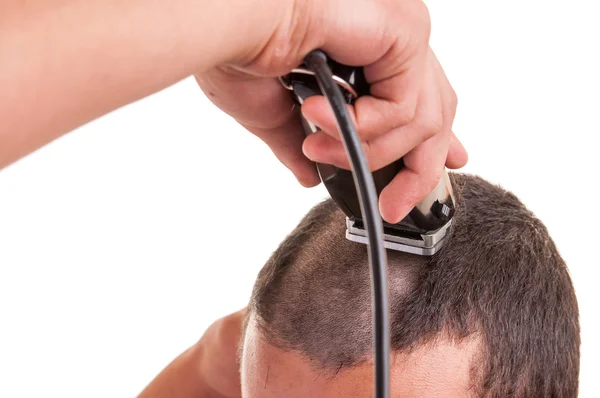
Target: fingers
x,y
424,165
319,148
319,112
457,154
286,143
385,148
423,168
395,78
372,115
394,67
394,101
426,142
267,110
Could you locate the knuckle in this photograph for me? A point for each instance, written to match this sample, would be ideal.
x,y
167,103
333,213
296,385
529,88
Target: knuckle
x,y
453,101
405,113
430,126
420,13
339,158
377,155
371,158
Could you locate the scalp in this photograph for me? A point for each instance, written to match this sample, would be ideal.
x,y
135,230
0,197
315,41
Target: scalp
x,y
498,277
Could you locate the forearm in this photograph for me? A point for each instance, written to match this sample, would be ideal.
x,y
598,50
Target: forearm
x,y
66,62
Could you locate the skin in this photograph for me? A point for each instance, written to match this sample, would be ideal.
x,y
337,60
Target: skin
x,y
442,368
67,62
208,369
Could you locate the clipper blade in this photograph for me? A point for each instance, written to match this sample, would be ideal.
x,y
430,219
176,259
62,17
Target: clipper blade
x,y
425,244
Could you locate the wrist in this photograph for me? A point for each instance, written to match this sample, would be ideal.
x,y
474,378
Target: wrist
x,y
248,26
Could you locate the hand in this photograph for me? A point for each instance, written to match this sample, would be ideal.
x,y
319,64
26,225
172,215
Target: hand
x,y
218,352
409,113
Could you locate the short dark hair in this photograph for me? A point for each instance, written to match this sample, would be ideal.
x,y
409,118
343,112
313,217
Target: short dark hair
x,y
499,276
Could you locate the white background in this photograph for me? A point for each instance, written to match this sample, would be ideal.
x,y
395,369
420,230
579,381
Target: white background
x,y
121,242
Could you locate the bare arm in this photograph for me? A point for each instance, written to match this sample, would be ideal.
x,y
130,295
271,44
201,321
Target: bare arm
x,y
66,62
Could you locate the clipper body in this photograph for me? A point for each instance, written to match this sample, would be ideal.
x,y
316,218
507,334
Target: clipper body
x,y
424,229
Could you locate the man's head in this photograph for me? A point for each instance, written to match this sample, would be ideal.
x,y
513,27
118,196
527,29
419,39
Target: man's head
x,y
493,313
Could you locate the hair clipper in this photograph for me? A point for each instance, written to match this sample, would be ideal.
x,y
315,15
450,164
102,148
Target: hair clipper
x,y
423,230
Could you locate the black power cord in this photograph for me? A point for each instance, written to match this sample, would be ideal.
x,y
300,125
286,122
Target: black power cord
x,y
365,187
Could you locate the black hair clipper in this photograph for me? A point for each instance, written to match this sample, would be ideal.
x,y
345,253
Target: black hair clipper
x,y
424,229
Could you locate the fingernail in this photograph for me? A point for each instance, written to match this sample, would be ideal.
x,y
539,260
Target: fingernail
x,y
389,215
310,181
